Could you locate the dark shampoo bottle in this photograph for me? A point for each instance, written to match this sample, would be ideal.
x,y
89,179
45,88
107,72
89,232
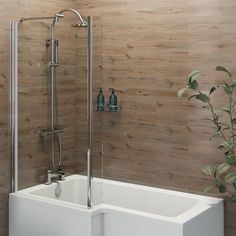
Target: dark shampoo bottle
x,y
113,101
100,101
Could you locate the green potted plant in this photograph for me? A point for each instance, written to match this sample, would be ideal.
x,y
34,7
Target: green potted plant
x,y
224,174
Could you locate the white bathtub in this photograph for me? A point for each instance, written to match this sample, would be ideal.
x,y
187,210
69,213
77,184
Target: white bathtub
x,y
120,209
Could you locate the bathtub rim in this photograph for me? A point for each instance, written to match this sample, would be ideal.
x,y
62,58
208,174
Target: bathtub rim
x,y
202,205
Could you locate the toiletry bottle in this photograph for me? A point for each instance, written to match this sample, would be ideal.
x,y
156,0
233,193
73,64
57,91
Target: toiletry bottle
x,y
112,101
100,101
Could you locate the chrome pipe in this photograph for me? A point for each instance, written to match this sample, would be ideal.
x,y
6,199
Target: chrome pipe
x,y
90,110
55,18
52,69
89,176
60,149
36,18
14,103
56,42
53,64
56,55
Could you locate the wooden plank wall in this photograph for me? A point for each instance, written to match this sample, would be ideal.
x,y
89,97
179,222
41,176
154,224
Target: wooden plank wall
x,y
148,49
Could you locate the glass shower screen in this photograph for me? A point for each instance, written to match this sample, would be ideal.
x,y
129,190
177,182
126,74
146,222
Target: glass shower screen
x,y
69,97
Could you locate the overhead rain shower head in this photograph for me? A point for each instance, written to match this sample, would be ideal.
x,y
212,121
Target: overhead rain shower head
x,y
81,24
82,21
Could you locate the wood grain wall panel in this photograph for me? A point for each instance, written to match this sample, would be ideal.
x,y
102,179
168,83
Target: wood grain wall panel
x,y
148,49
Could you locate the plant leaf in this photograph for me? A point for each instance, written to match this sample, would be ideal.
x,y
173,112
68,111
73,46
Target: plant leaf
x,y
230,159
181,92
222,188
222,68
213,89
226,109
230,178
217,110
216,180
226,128
223,168
193,75
226,87
193,85
234,121
216,119
208,170
202,97
226,145
218,128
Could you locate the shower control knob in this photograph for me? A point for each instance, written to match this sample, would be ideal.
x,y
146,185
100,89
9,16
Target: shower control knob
x,y
47,43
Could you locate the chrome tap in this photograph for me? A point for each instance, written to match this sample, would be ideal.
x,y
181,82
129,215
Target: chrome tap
x,y
55,176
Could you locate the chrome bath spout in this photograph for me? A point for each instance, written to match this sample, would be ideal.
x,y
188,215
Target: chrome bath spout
x,y
55,176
